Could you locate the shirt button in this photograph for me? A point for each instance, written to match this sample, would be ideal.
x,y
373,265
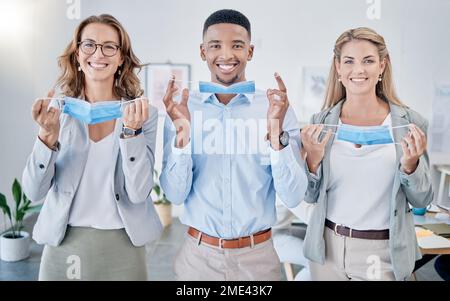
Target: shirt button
x,y
132,159
41,166
117,196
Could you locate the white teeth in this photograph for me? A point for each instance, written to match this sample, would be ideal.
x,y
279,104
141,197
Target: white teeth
x,y
97,65
226,67
358,79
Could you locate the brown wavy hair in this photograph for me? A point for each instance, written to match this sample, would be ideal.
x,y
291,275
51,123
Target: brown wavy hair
x,y
72,82
385,89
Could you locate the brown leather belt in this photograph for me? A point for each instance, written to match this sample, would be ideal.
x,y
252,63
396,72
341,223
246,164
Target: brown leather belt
x,y
241,242
368,234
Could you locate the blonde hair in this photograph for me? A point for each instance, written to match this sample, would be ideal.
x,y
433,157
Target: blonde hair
x,y
71,81
384,89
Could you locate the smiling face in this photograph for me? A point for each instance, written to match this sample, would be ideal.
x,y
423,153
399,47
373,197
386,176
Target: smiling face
x,y
97,66
359,67
226,48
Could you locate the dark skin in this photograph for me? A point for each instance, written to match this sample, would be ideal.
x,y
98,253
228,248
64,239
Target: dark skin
x,y
227,48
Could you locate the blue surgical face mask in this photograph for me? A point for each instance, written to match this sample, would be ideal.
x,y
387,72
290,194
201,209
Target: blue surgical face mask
x,y
365,135
92,113
247,87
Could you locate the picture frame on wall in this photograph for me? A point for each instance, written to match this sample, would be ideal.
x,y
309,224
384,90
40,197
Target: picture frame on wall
x,y
157,77
313,87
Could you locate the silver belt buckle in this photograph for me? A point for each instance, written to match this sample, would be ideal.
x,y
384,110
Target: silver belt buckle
x,y
335,230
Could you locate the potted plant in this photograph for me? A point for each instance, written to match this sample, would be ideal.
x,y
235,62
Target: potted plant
x,y
162,204
15,243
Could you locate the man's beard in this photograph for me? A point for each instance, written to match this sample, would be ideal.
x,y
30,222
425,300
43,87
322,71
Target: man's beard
x,y
232,81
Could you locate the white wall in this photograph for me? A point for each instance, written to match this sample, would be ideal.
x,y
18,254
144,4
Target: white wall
x,y
288,35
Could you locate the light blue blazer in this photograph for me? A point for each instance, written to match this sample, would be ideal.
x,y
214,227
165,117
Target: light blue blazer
x,y
414,189
55,176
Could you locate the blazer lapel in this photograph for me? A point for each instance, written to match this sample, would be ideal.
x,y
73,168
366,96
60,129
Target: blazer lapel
x,y
117,132
331,118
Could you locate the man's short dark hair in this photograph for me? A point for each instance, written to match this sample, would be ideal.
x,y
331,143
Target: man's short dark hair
x,y
227,16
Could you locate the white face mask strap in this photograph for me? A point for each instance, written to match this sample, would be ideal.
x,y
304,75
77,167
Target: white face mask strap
x,y
324,131
58,100
330,125
184,81
400,126
133,100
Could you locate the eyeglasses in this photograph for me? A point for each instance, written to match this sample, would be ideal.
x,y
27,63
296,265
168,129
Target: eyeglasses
x,y
89,47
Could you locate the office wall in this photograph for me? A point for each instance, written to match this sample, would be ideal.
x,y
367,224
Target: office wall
x,y
288,35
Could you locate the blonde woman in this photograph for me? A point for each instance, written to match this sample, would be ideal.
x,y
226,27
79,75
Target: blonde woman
x,y
93,162
367,163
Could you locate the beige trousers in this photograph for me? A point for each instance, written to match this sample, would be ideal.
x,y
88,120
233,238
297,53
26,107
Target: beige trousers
x,y
92,254
199,262
353,259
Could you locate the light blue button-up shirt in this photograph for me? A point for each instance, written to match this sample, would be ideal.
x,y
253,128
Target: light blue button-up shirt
x,y
228,175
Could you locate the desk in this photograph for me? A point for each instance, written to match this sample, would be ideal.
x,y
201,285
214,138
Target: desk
x,y
428,254
429,218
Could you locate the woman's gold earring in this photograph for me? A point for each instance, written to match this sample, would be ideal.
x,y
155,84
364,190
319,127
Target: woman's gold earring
x,y
118,71
79,68
339,78
380,78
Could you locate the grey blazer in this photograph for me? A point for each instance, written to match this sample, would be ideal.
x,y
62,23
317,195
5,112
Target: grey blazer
x,y
414,189
55,176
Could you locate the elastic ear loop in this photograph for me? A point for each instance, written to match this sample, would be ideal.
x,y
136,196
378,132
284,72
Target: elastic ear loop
x,y
59,101
133,100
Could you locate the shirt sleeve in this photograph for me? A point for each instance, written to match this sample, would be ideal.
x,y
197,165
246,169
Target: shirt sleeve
x,y
287,166
176,174
138,160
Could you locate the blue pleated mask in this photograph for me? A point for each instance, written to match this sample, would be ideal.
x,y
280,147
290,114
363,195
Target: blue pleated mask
x,y
247,87
92,113
365,135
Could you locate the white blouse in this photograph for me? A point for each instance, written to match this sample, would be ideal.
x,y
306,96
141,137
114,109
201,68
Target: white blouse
x,y
94,205
361,184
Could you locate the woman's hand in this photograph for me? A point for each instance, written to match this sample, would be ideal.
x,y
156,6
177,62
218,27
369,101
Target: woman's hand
x,y
47,119
314,149
414,145
135,113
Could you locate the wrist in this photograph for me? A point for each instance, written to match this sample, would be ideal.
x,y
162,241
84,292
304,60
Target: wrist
x,y
183,134
312,166
278,139
276,145
129,132
274,131
409,169
181,140
48,139
135,127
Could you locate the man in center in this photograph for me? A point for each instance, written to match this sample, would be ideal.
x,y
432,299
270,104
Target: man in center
x,y
227,152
